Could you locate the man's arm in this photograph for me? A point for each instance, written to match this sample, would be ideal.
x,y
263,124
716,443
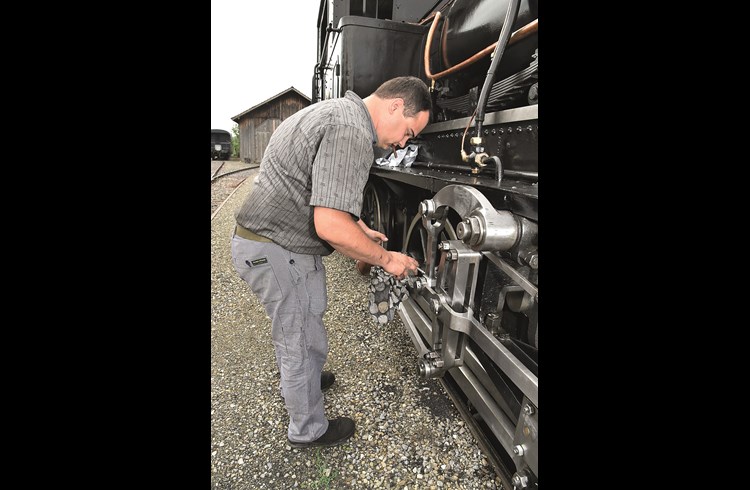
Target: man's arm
x,y
345,235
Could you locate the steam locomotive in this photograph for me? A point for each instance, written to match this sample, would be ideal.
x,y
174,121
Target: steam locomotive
x,y
467,206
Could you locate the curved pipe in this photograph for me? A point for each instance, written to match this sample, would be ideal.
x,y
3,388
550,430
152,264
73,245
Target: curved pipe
x,y
444,42
521,33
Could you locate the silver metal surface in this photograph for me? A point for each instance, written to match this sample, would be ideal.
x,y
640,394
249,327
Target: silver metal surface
x,y
411,329
472,362
500,117
510,271
499,229
527,435
499,424
519,374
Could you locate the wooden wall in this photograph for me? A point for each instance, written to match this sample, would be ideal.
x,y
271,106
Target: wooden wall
x,y
257,126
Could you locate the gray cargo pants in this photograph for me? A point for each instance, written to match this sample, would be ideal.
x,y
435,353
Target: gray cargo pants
x,y
292,288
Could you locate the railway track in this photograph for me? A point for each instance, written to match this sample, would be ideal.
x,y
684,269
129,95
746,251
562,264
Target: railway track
x,y
226,177
231,172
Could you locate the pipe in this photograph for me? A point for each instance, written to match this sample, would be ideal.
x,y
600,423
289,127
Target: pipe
x,y
323,67
521,33
510,17
315,84
450,167
444,42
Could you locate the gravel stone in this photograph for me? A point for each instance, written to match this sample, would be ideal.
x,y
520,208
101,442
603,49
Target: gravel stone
x,y
408,433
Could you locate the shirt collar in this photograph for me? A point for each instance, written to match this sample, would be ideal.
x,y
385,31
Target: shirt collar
x,y
352,96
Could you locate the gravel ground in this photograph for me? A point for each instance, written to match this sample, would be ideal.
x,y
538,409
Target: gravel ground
x,y
222,187
408,433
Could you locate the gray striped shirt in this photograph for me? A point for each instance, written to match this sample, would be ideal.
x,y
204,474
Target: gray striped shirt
x,y
320,156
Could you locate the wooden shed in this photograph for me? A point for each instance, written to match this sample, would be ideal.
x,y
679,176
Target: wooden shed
x,y
260,121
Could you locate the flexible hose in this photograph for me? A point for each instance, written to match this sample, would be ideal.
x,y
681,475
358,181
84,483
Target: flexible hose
x,y
510,17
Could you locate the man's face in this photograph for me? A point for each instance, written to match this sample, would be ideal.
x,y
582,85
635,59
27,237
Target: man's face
x,y
397,128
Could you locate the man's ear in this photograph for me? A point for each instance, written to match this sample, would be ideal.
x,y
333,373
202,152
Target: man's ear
x,y
394,104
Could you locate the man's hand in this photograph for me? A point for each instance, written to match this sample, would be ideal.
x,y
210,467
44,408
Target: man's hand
x,y
373,235
400,265
358,242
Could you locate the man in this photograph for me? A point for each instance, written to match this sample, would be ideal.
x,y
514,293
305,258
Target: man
x,y
306,203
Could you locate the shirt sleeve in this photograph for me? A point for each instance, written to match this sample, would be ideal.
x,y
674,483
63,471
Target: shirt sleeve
x,y
341,168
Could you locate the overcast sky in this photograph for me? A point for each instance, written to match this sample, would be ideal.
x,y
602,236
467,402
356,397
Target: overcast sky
x,y
259,49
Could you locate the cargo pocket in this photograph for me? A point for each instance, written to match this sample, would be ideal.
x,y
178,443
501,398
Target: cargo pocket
x,y
291,342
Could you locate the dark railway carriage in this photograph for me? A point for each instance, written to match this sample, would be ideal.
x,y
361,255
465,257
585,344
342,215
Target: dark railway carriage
x,y
221,144
467,208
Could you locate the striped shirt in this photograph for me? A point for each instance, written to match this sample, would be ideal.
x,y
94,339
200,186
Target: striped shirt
x,y
319,156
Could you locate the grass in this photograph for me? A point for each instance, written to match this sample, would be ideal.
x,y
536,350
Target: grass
x,y
325,475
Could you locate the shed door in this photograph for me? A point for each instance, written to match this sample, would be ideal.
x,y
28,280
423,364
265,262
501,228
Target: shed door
x,y
263,133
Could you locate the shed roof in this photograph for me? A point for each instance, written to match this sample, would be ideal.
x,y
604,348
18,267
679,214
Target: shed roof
x,y
290,89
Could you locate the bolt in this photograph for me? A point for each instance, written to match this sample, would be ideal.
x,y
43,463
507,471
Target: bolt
x,y
520,481
532,259
435,306
470,231
463,229
528,409
518,450
445,246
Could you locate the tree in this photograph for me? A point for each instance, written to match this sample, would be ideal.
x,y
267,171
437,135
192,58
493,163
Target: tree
x,y
236,140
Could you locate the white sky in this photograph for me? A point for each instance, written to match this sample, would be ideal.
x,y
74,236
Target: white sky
x,y
259,49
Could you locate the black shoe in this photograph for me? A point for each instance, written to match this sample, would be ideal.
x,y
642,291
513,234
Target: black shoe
x,y
326,380
339,430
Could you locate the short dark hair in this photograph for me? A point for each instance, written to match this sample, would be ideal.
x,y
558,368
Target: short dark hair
x,y
414,91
